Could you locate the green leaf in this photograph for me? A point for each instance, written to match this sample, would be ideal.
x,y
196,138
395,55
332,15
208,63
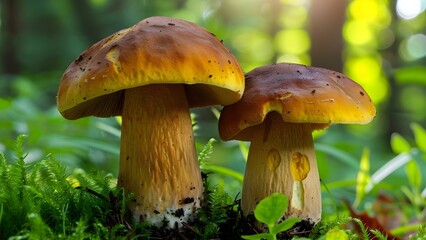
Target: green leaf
x,y
390,167
363,178
119,120
399,144
414,74
340,155
244,150
285,225
215,112
258,236
206,152
378,235
109,129
419,136
271,209
223,170
413,173
4,104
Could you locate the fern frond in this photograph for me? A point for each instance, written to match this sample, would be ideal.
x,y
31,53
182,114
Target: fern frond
x,y
213,213
1,213
18,171
364,230
378,234
55,176
421,232
4,179
38,201
206,152
39,229
18,147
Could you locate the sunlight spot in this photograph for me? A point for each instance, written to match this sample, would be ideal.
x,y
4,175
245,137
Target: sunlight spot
x,y
358,33
292,41
367,71
255,45
365,10
409,9
370,11
416,46
290,58
294,18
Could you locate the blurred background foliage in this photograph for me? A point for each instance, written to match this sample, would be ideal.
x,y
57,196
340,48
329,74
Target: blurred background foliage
x,y
380,44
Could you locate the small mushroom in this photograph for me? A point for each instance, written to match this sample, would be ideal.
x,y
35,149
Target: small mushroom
x,y
151,74
281,106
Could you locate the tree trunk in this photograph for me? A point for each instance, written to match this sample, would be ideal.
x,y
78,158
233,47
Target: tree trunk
x,y
9,35
326,22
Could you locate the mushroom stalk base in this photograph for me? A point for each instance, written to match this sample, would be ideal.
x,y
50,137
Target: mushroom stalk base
x,y
282,159
158,162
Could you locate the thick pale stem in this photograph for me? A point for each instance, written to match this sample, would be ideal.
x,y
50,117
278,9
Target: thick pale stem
x,y
158,162
282,159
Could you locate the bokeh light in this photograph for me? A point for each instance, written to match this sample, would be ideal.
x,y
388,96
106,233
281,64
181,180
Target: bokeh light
x,y
300,59
357,33
296,18
413,48
253,44
292,41
367,71
366,32
409,9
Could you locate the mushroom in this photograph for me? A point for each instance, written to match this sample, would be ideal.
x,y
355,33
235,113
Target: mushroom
x,y
281,106
151,74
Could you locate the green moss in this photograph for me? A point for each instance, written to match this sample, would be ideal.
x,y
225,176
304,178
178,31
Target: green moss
x,y
42,201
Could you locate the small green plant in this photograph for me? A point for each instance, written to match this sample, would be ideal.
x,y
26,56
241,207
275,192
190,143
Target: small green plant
x,y
421,233
411,156
335,234
207,166
269,211
41,200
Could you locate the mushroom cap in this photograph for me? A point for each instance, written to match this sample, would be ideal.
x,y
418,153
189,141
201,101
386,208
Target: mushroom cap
x,y
300,94
157,50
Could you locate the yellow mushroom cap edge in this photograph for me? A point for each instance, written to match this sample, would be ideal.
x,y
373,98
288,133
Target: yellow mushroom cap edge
x,y
157,50
301,94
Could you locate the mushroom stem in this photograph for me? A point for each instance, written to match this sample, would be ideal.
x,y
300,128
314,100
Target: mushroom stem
x,y
282,159
158,161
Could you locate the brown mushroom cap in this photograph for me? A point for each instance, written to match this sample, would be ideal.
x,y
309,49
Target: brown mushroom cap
x,y
156,50
301,94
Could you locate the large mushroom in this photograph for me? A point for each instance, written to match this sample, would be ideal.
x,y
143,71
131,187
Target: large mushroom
x,y
151,74
281,106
